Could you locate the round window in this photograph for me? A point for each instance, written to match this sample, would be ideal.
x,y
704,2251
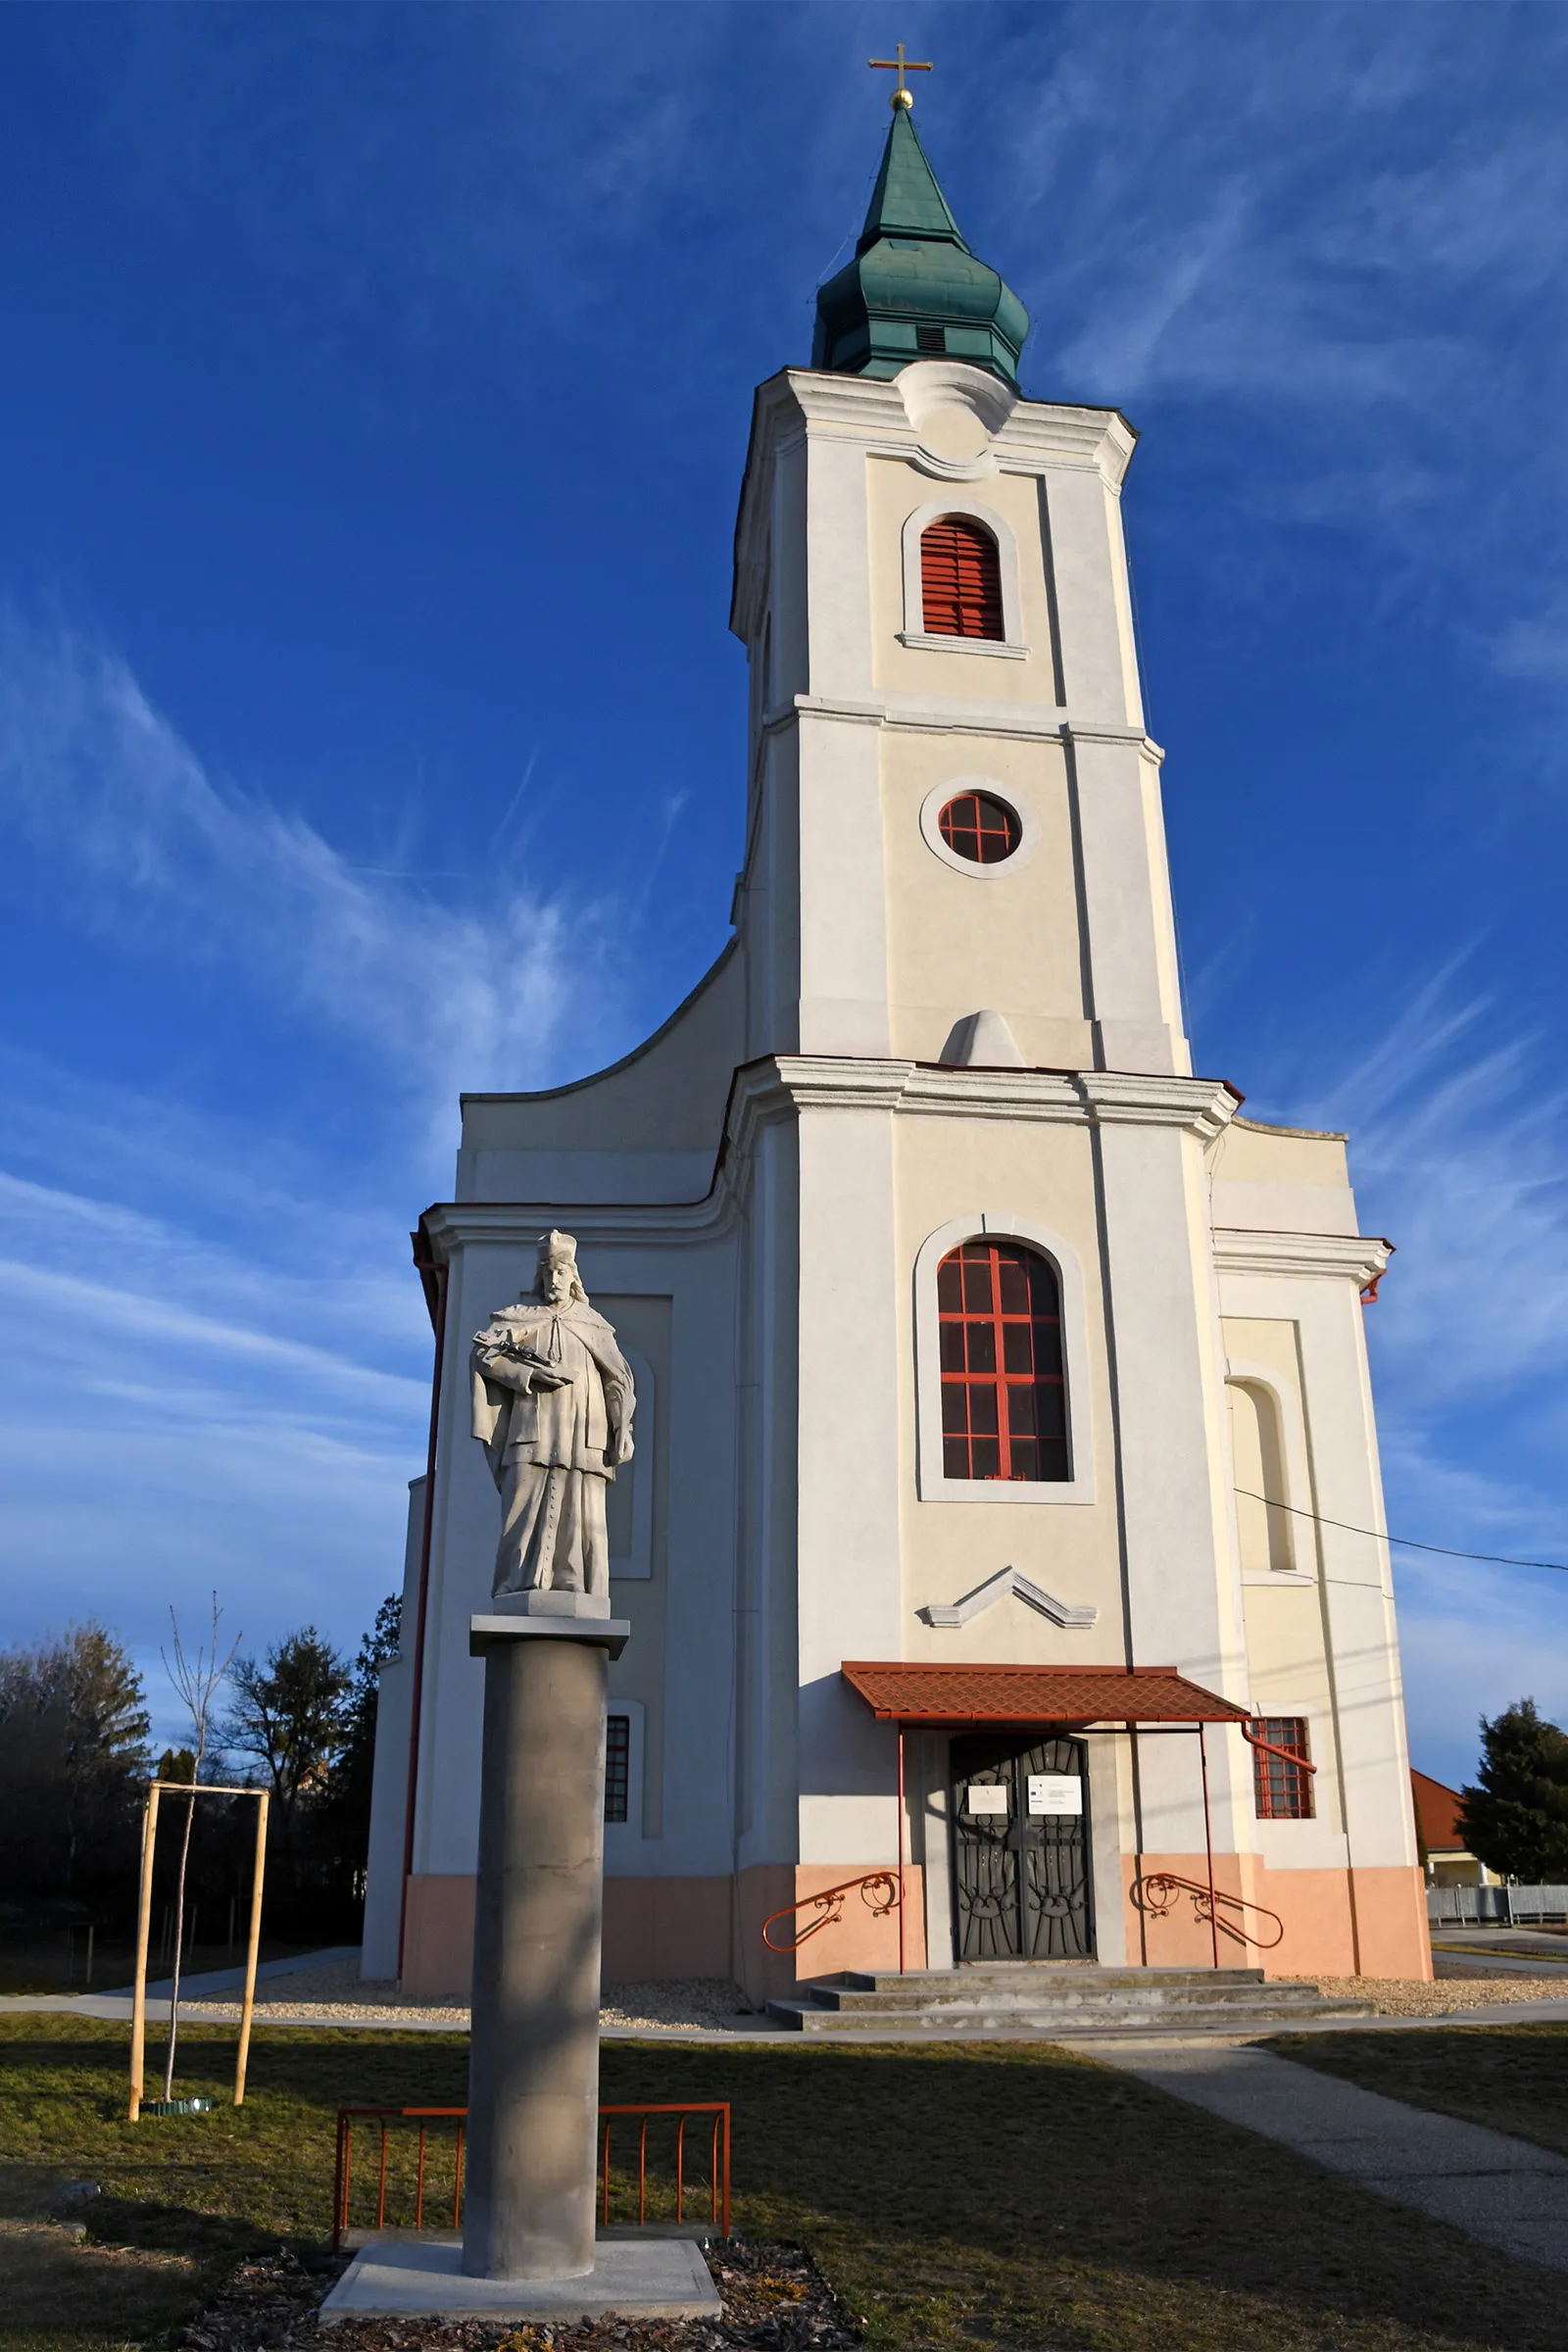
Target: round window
x,y
979,827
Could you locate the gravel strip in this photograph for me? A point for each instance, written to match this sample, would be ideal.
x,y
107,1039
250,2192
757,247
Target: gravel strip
x,y
1406,1996
695,2004
774,2297
337,1990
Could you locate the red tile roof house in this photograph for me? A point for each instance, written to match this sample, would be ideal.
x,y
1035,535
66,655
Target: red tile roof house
x,y
1449,1862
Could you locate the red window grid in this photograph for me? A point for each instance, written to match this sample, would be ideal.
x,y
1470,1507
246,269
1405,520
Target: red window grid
x,y
1004,1393
1282,1789
980,828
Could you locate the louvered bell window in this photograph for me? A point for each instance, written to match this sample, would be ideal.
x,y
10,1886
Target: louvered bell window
x,y
960,580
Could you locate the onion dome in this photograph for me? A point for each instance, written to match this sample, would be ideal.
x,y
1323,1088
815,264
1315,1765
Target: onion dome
x,y
915,291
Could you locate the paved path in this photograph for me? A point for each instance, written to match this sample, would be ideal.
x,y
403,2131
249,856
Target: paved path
x,y
1513,1952
209,1986
1505,2191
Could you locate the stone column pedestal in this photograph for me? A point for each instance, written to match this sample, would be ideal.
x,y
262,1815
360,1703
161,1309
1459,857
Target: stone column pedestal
x,y
533,2069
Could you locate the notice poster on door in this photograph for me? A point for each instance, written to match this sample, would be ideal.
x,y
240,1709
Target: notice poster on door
x,y
1056,1792
988,1797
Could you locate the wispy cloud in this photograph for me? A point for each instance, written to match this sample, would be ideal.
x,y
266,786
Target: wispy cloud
x,y
1336,229
180,1409
1459,1136
193,868
1459,1143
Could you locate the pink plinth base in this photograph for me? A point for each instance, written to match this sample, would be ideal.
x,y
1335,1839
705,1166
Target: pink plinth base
x,y
1338,1923
658,1929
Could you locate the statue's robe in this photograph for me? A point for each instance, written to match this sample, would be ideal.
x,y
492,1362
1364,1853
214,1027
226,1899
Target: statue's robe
x,y
552,1450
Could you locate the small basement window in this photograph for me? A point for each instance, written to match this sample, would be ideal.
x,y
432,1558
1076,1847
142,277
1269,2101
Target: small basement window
x,y
977,826
617,1766
1282,1789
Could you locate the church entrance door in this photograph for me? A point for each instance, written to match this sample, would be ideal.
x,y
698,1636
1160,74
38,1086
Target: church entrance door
x,y
1020,1848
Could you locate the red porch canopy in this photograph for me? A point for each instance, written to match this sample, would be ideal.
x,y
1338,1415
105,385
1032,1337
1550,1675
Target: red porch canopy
x,y
963,1695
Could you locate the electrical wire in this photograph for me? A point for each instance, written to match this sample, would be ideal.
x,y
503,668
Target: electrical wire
x,y
1496,1560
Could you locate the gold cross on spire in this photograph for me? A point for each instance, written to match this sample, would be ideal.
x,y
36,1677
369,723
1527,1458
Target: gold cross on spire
x,y
900,64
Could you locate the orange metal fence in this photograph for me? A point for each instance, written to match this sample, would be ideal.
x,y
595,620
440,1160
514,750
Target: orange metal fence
x,y
409,2170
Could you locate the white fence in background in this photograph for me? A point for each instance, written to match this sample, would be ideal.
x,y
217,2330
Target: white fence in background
x,y
1494,1906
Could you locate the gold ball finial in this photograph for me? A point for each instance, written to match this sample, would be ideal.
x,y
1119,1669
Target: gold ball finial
x,y
904,98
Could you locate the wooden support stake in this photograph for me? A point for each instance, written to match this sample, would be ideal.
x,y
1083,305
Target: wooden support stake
x,y
243,2059
144,1917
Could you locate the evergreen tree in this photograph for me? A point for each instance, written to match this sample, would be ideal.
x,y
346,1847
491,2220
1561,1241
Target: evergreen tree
x,y
291,1717
1516,1820
73,1758
346,1813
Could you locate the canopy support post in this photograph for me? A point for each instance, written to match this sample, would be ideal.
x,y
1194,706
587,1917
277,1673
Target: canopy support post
x,y
901,1849
1208,1844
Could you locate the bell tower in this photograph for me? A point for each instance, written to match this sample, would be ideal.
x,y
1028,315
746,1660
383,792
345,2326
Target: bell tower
x,y
955,849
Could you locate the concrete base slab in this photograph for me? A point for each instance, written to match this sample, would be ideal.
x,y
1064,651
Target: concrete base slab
x,y
637,2278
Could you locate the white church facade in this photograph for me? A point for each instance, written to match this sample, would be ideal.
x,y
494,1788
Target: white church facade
x,y
1003,1420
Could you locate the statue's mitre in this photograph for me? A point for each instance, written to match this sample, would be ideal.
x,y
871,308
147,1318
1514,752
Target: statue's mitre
x,y
559,1245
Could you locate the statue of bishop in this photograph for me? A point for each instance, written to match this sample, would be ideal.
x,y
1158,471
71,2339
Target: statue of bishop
x,y
553,1402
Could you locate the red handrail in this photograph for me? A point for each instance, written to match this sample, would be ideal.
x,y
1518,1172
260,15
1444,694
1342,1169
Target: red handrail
x,y
1162,1888
1286,1755
718,2184
830,1903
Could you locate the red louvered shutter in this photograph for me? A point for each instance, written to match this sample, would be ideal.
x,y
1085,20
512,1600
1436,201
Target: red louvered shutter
x,y
960,580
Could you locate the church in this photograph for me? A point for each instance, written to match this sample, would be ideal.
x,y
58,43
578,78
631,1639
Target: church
x,y
995,1545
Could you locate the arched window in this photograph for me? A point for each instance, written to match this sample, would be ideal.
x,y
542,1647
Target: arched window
x,y
1257,1458
960,579
1004,1396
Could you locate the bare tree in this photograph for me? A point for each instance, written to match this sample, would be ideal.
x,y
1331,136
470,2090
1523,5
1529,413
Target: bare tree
x,y
197,1681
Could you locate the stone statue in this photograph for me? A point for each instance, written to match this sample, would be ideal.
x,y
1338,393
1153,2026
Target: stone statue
x,y
553,1401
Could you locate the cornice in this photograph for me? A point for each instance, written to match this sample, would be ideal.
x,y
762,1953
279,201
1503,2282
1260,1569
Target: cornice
x,y
1352,1257
779,1087
960,716
785,1083
1074,731
452,1225
1043,430
1123,1097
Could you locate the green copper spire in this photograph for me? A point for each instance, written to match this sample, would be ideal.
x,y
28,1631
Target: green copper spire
x,y
915,291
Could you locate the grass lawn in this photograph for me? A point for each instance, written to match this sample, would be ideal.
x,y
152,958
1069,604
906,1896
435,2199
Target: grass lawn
x,y
1018,2197
1514,2077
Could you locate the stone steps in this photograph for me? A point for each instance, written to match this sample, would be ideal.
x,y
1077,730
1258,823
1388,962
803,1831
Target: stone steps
x,y
1036,2000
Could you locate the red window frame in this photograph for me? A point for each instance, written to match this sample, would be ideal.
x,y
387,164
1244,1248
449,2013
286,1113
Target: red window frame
x,y
1004,1383
1281,1789
960,580
978,827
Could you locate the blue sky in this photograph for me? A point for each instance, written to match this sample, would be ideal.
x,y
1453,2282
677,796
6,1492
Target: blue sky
x,y
372,401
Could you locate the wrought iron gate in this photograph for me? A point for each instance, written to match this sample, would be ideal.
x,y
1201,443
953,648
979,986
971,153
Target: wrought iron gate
x,y
1020,1874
